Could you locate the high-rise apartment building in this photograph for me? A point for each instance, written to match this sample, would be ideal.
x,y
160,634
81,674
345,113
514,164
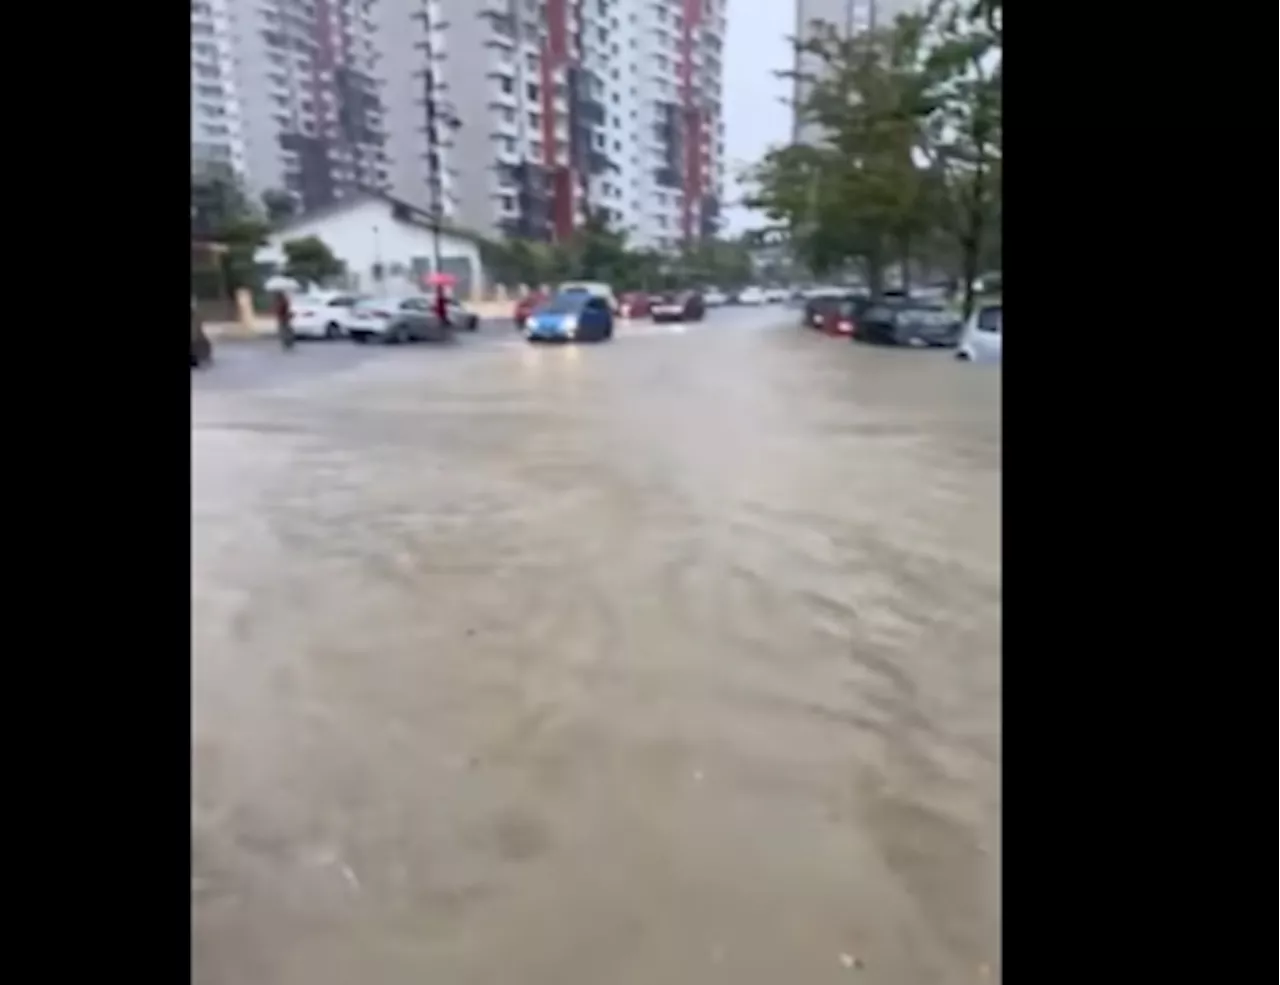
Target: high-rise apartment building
x,y
316,97
561,106
849,17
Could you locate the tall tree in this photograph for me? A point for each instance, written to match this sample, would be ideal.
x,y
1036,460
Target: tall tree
x,y
859,194
964,137
309,260
222,213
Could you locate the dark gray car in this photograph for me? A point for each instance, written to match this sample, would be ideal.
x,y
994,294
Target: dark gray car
x,y
393,320
903,321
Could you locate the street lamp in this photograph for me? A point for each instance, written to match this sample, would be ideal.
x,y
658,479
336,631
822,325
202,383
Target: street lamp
x,y
437,116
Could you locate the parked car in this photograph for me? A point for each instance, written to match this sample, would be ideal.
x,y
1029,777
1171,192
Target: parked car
x,y
392,320
575,316
980,341
751,296
322,315
595,288
460,316
678,306
201,347
837,314
634,304
525,306
907,321
775,295
821,308
714,298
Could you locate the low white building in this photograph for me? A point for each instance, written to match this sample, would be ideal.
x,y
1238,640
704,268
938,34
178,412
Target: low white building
x,y
383,241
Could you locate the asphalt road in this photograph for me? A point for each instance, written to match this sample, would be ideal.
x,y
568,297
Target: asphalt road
x,y
673,660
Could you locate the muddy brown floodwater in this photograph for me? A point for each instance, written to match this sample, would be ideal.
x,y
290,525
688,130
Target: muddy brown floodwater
x,y
673,661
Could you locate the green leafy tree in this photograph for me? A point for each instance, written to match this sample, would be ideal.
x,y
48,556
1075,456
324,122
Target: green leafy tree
x,y
909,164
310,261
221,213
964,136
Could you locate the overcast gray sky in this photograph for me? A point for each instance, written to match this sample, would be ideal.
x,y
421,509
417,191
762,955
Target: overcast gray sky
x,y
754,119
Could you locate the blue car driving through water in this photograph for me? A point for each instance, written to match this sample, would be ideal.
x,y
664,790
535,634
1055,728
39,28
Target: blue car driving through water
x,y
571,316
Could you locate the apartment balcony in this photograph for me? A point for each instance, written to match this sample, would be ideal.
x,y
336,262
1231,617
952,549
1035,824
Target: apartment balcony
x,y
504,100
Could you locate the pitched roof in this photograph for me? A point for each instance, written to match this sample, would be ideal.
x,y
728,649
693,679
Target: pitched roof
x,y
363,195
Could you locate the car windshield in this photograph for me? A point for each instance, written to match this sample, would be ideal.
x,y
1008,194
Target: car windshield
x,y
569,303
379,303
853,307
918,314
991,320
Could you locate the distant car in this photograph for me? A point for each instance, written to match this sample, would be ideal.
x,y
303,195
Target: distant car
x,y
460,316
714,298
525,306
821,309
595,288
837,314
575,316
392,320
775,295
322,315
201,347
751,296
678,306
980,341
634,304
908,322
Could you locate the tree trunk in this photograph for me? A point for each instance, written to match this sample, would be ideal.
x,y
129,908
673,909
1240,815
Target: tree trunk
x,y
875,274
971,242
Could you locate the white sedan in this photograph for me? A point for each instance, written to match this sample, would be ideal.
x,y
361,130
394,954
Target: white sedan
x,y
751,295
323,315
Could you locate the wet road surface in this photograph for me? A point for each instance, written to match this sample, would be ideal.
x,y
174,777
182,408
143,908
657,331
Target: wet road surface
x,y
672,661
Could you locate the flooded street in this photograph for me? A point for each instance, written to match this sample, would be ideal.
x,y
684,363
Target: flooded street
x,y
672,661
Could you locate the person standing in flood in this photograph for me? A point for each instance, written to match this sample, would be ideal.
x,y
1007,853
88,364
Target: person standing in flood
x,y
284,319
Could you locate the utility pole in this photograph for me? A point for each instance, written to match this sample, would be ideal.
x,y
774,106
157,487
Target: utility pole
x,y
436,116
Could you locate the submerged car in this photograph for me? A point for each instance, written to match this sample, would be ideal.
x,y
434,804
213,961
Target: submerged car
x,y
751,296
634,304
460,316
594,288
980,341
715,298
678,306
393,320
571,317
907,321
524,307
322,315
822,309
838,314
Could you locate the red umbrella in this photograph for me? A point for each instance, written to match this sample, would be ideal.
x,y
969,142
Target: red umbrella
x,y
439,280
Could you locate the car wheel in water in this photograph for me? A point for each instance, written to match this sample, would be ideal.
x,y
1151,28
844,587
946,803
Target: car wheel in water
x,y
333,330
